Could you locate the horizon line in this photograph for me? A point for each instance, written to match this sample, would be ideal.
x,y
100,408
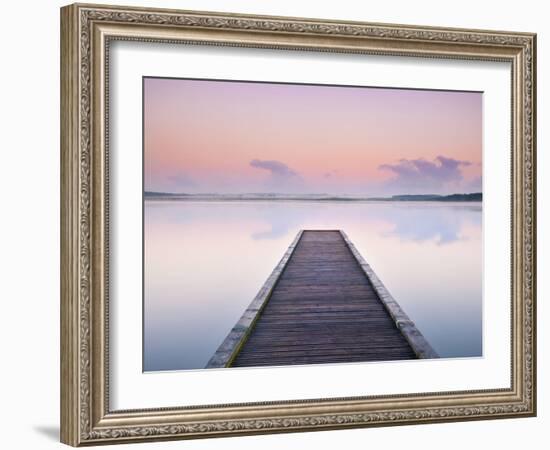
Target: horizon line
x,y
151,192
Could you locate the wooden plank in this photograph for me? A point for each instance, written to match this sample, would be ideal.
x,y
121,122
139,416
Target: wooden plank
x,y
414,337
237,336
322,309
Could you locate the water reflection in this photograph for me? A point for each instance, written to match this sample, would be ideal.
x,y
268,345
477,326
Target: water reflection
x,y
205,261
425,223
277,226
420,222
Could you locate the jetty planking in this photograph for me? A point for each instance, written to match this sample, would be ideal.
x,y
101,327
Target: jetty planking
x,y
321,304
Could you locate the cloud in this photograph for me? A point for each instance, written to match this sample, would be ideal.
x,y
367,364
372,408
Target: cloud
x,y
178,181
421,174
276,168
281,177
181,180
330,174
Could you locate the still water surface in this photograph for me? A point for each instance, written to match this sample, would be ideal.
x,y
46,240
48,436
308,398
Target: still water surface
x,y
206,260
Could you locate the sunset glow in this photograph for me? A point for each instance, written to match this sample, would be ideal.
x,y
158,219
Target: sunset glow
x,y
247,137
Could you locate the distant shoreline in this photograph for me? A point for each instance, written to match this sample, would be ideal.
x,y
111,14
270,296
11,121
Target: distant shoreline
x,y
472,197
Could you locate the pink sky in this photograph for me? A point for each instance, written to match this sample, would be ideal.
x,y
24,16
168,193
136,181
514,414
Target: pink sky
x,y
242,137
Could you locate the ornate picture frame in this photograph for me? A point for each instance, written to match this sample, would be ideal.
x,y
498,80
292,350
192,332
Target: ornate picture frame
x,y
87,32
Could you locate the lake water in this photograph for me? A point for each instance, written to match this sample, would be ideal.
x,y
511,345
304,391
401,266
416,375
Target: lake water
x,y
206,260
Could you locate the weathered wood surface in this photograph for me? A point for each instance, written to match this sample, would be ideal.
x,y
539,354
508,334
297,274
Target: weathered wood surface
x,y
323,309
229,348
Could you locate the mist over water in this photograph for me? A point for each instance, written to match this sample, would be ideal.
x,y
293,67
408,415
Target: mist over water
x,y
206,260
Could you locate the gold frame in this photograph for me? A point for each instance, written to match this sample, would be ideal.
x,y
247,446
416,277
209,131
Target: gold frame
x,y
86,31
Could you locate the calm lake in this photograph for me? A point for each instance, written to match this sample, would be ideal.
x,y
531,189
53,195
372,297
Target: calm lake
x,y
206,260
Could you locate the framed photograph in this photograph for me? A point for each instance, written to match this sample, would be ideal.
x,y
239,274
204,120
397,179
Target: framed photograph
x,y
276,224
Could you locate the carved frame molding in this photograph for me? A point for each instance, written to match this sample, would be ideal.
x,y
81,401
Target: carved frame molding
x,y
86,31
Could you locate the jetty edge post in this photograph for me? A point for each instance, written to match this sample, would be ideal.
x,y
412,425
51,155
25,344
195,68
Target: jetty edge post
x,y
229,348
414,337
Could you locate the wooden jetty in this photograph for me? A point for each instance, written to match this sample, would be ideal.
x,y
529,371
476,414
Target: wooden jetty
x,y
321,304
